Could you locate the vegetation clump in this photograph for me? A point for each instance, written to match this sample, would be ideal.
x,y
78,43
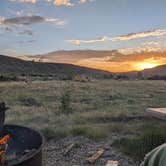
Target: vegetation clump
x,y
8,77
65,102
51,133
29,102
92,133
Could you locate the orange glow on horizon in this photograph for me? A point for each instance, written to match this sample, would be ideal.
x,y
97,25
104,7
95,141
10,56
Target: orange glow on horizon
x,y
145,65
116,63
120,67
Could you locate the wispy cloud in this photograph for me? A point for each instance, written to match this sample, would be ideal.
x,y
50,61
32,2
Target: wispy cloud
x,y
85,1
152,46
78,42
56,2
27,41
151,33
27,1
17,24
61,2
27,20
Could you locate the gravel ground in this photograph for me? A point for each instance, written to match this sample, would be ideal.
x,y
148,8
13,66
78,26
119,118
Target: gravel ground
x,y
84,147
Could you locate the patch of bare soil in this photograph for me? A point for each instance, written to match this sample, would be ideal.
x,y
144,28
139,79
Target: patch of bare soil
x,y
74,151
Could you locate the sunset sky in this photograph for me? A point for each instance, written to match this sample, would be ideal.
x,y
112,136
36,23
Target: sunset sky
x,y
31,27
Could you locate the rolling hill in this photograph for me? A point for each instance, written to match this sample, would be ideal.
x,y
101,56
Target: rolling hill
x,y
110,60
156,71
10,65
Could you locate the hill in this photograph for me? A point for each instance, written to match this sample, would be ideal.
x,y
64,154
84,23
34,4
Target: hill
x,y
110,60
10,65
157,73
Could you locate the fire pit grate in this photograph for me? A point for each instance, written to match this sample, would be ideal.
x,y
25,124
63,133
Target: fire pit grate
x,y
24,146
21,146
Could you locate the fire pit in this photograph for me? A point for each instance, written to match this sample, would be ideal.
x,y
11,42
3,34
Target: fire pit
x,y
20,146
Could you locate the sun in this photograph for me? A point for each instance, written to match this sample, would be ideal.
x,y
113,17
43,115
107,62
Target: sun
x,y
145,65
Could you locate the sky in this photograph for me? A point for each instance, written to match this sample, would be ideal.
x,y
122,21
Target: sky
x,y
29,27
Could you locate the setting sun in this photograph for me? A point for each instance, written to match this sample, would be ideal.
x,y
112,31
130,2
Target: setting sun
x,y
145,65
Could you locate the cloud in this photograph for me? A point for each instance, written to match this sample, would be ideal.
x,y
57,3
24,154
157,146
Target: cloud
x,y
12,24
78,42
152,33
56,2
27,1
61,2
85,1
27,41
31,41
26,32
152,46
27,20
121,63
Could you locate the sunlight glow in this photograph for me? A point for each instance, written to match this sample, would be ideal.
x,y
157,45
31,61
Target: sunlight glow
x,y
145,65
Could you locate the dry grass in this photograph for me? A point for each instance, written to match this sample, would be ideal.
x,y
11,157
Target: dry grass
x,y
99,108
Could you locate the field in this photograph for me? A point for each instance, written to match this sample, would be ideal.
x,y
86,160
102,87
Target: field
x,y
100,110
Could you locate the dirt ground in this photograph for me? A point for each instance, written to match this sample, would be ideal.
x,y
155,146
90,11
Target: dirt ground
x,y
54,153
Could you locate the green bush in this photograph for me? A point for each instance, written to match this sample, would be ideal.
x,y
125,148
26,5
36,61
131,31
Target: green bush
x,y
69,75
65,102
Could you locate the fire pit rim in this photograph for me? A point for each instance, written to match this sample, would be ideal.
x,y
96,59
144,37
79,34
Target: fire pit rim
x,y
37,150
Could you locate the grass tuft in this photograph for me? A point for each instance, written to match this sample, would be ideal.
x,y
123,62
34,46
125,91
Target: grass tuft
x,y
51,133
29,101
92,133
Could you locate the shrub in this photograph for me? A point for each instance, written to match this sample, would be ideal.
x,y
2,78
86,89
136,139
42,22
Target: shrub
x,y
108,76
8,77
121,77
69,75
65,102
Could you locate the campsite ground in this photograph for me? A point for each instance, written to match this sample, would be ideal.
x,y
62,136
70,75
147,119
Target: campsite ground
x,y
89,114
